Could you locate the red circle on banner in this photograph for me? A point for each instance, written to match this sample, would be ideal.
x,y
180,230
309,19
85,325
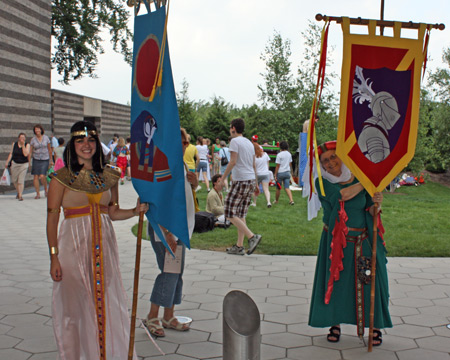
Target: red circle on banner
x,y
146,66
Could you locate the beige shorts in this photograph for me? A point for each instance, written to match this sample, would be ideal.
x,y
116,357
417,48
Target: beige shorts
x,y
18,172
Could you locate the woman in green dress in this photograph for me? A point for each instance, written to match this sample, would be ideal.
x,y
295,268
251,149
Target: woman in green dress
x,y
341,291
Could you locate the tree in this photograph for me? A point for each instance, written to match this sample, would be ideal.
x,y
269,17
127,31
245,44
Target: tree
x,y
187,111
218,119
279,91
76,28
287,100
440,79
307,80
439,82
425,152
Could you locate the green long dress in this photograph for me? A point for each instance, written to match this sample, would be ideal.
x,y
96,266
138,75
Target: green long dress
x,y
342,305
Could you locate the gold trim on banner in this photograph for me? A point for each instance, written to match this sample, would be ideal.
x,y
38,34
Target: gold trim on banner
x,y
414,55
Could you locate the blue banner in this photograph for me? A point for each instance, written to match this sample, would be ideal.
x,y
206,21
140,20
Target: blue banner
x,y
157,168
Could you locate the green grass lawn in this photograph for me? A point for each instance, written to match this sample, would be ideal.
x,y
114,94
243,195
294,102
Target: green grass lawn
x,y
416,220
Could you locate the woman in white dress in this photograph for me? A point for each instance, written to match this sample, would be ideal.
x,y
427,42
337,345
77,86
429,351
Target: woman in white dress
x,y
89,308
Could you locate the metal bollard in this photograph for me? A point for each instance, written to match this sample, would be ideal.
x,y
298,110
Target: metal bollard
x,y
241,327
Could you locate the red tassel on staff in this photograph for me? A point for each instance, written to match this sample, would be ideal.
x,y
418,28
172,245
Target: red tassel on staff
x,y
425,50
338,244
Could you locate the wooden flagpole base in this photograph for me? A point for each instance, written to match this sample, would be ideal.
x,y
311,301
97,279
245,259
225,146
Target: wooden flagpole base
x,y
373,275
136,285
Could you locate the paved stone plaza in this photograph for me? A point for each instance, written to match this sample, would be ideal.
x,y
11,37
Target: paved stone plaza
x,y
280,286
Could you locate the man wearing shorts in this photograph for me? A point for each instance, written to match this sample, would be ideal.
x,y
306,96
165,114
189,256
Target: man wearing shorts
x,y
243,169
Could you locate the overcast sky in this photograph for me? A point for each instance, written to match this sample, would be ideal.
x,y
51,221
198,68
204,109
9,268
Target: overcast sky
x,y
216,46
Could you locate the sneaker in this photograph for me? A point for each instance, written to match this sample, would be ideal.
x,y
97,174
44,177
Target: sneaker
x,y
269,205
252,204
291,203
198,188
253,242
236,250
122,182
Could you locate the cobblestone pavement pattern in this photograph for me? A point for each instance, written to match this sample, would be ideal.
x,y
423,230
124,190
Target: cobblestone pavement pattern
x,y
280,286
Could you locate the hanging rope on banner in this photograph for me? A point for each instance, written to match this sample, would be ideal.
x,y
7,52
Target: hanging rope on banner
x,y
425,50
159,69
312,142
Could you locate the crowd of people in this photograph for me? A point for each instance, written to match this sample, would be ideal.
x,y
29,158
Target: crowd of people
x,y
89,306
44,154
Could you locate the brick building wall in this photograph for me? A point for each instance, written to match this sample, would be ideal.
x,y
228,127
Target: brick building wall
x,y
67,109
115,119
26,97
108,117
25,29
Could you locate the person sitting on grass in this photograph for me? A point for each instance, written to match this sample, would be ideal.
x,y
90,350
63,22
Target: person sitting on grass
x,y
214,201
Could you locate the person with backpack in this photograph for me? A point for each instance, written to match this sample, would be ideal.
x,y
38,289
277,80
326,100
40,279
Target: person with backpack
x,y
283,172
262,168
18,161
224,154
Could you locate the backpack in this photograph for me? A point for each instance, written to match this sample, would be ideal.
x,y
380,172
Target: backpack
x,y
204,221
224,159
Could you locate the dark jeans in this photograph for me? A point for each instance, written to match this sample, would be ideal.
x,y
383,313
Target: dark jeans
x,y
168,287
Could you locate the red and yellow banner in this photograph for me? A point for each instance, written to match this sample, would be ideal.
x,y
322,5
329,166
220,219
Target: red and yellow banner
x,y
379,107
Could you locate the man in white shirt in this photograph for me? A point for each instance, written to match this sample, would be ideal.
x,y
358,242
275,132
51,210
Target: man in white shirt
x,y
243,169
106,151
283,172
54,144
112,146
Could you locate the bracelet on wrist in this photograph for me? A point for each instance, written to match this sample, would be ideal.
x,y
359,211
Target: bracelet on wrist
x,y
54,250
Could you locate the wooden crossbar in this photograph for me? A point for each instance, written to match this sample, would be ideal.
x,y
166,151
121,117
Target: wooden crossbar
x,y
383,23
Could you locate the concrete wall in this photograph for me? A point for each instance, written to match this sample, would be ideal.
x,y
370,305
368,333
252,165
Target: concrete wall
x,y
26,98
67,109
24,70
115,119
110,118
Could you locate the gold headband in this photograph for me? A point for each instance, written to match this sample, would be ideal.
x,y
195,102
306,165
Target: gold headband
x,y
84,132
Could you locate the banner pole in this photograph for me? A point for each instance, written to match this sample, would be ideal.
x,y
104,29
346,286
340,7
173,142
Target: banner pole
x,y
373,275
385,23
136,285
374,242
